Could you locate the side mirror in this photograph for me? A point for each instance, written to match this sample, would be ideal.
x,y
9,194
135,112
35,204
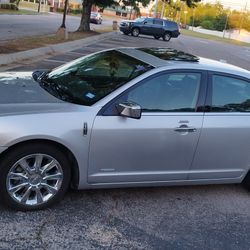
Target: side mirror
x,y
129,109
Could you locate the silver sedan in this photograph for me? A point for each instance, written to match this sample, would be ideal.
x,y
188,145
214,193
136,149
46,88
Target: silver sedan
x,y
121,118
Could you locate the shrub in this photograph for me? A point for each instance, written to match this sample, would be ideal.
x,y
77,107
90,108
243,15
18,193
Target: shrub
x,y
8,6
207,24
60,10
76,11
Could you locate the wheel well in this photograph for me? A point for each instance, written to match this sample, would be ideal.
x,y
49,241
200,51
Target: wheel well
x,y
73,162
168,32
135,28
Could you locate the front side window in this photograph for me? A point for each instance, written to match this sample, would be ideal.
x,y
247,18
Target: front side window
x,y
173,92
230,94
148,21
89,79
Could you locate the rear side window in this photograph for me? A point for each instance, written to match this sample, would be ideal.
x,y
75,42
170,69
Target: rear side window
x,y
171,25
158,22
230,94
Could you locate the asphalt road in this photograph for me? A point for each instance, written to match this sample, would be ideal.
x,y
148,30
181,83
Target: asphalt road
x,y
18,26
194,217
237,55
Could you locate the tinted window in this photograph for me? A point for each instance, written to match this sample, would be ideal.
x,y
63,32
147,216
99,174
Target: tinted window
x,y
230,95
148,21
171,25
158,22
175,92
88,79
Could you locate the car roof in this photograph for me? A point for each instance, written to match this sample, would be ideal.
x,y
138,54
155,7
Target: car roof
x,y
160,19
170,58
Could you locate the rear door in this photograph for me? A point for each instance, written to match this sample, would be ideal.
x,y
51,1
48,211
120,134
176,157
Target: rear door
x,y
224,146
157,27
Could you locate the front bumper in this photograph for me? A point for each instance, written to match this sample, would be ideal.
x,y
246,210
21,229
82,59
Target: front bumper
x,y
125,29
94,20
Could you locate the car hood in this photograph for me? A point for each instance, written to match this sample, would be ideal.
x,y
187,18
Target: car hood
x,y
128,21
20,87
21,94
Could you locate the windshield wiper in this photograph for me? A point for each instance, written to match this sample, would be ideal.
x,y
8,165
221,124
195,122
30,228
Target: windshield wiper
x,y
56,90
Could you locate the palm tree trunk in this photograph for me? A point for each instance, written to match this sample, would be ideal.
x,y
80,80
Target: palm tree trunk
x,y
85,19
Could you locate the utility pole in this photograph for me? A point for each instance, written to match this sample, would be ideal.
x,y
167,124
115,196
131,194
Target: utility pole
x,y
156,7
224,32
193,19
182,7
163,9
242,15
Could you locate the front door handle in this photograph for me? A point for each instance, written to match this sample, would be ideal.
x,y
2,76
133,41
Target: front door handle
x,y
185,128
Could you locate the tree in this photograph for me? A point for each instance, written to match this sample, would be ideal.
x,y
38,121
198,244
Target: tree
x,y
64,14
135,4
191,3
220,22
87,6
173,9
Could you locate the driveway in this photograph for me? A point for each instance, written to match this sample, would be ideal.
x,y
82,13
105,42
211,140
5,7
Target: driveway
x,y
194,217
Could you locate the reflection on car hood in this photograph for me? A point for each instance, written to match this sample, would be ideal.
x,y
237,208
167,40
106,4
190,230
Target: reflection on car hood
x,y
22,88
19,93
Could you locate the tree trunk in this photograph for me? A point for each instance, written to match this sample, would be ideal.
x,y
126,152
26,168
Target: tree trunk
x,y
63,25
39,6
85,19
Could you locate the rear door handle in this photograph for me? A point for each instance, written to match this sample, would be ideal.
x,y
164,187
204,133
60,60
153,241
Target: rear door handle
x,y
185,128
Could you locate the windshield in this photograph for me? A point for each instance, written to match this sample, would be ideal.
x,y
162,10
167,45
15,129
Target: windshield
x,y
140,19
89,79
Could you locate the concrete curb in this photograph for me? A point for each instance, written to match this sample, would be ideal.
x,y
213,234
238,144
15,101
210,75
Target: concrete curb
x,y
6,59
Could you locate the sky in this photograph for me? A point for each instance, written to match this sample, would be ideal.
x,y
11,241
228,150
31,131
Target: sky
x,y
234,4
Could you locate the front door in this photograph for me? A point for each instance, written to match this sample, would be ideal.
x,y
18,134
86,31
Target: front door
x,y
146,28
158,147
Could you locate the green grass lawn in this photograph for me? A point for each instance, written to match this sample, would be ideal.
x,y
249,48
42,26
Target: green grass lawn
x,y
214,38
17,12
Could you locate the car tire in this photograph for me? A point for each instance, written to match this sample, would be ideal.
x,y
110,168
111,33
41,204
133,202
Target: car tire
x,y
246,181
135,32
167,37
34,177
157,37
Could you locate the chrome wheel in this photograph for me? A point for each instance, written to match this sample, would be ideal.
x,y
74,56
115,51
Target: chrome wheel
x,y
167,37
34,179
135,32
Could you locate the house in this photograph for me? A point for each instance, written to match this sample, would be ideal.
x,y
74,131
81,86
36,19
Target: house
x,y
126,12
4,1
